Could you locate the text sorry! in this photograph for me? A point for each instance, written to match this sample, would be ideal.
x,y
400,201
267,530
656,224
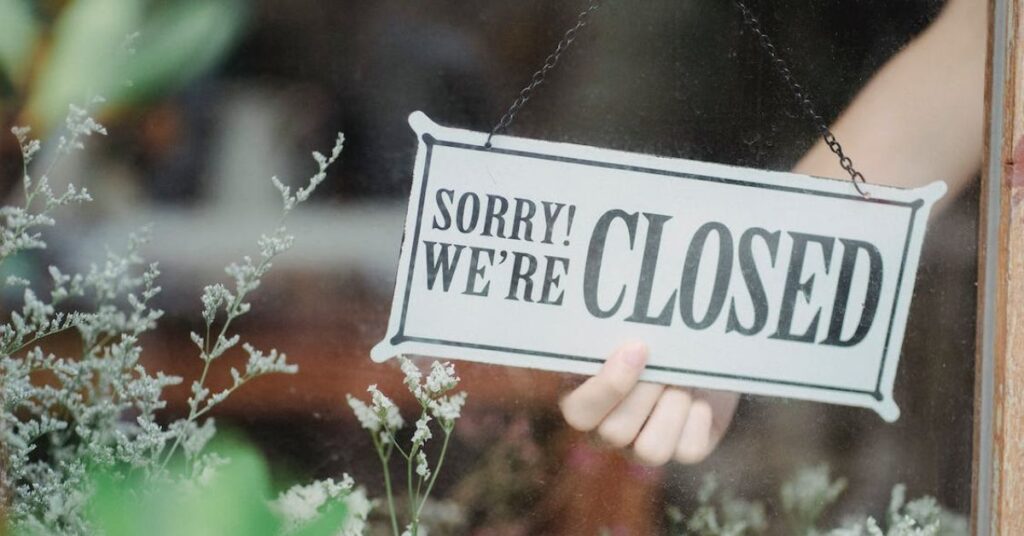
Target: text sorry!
x,y
543,278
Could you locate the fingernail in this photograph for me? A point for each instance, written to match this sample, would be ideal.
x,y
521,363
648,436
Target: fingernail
x,y
635,354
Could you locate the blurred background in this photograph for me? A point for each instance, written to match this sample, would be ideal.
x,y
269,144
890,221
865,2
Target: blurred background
x,y
212,97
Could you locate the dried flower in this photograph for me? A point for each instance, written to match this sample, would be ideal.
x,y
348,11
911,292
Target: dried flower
x,y
805,497
442,378
385,409
422,433
302,504
448,408
422,467
101,404
382,418
368,418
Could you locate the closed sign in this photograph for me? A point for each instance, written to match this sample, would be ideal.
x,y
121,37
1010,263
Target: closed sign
x,y
549,255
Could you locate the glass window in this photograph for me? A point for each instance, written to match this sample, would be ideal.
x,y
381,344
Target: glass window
x,y
215,113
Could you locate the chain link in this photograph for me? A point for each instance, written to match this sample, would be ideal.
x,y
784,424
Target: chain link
x,y
766,45
538,77
801,97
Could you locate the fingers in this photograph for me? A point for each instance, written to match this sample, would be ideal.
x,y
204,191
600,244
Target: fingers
x,y
710,415
657,442
586,406
723,407
622,425
694,442
662,423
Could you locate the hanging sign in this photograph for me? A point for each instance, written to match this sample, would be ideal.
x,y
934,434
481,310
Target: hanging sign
x,y
549,255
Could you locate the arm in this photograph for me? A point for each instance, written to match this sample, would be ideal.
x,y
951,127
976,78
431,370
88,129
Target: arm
x,y
919,119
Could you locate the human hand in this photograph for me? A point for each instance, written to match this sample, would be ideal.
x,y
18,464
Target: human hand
x,y
661,423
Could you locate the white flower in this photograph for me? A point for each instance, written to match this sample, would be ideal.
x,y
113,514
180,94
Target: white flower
x,y
359,507
413,378
301,504
260,364
15,281
302,194
102,403
213,297
448,409
422,433
385,409
367,418
422,467
442,378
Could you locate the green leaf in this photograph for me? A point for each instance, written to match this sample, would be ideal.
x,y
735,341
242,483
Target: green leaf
x,y
83,62
175,42
108,506
179,42
19,31
233,501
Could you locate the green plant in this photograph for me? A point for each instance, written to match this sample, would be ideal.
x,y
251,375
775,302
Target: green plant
x,y
234,499
807,495
48,66
64,416
383,420
804,500
719,513
920,517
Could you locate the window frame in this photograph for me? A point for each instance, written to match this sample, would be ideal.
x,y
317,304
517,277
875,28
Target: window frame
x,y
998,469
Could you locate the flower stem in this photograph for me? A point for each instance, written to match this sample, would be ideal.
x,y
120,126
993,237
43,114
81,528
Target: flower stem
x,y
193,406
387,484
412,494
437,471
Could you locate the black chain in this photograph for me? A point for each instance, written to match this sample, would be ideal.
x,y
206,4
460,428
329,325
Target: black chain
x,y
538,77
801,97
762,39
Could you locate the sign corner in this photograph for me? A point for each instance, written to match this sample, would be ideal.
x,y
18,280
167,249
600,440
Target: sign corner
x,y
420,123
384,350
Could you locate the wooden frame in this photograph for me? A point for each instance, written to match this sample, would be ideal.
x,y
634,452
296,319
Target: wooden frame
x,y
999,410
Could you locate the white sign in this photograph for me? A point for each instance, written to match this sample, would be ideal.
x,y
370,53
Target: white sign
x,y
549,255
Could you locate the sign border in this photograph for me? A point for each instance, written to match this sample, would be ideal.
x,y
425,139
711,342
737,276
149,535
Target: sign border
x,y
424,128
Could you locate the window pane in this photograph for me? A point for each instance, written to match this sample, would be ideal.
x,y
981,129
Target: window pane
x,y
192,151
